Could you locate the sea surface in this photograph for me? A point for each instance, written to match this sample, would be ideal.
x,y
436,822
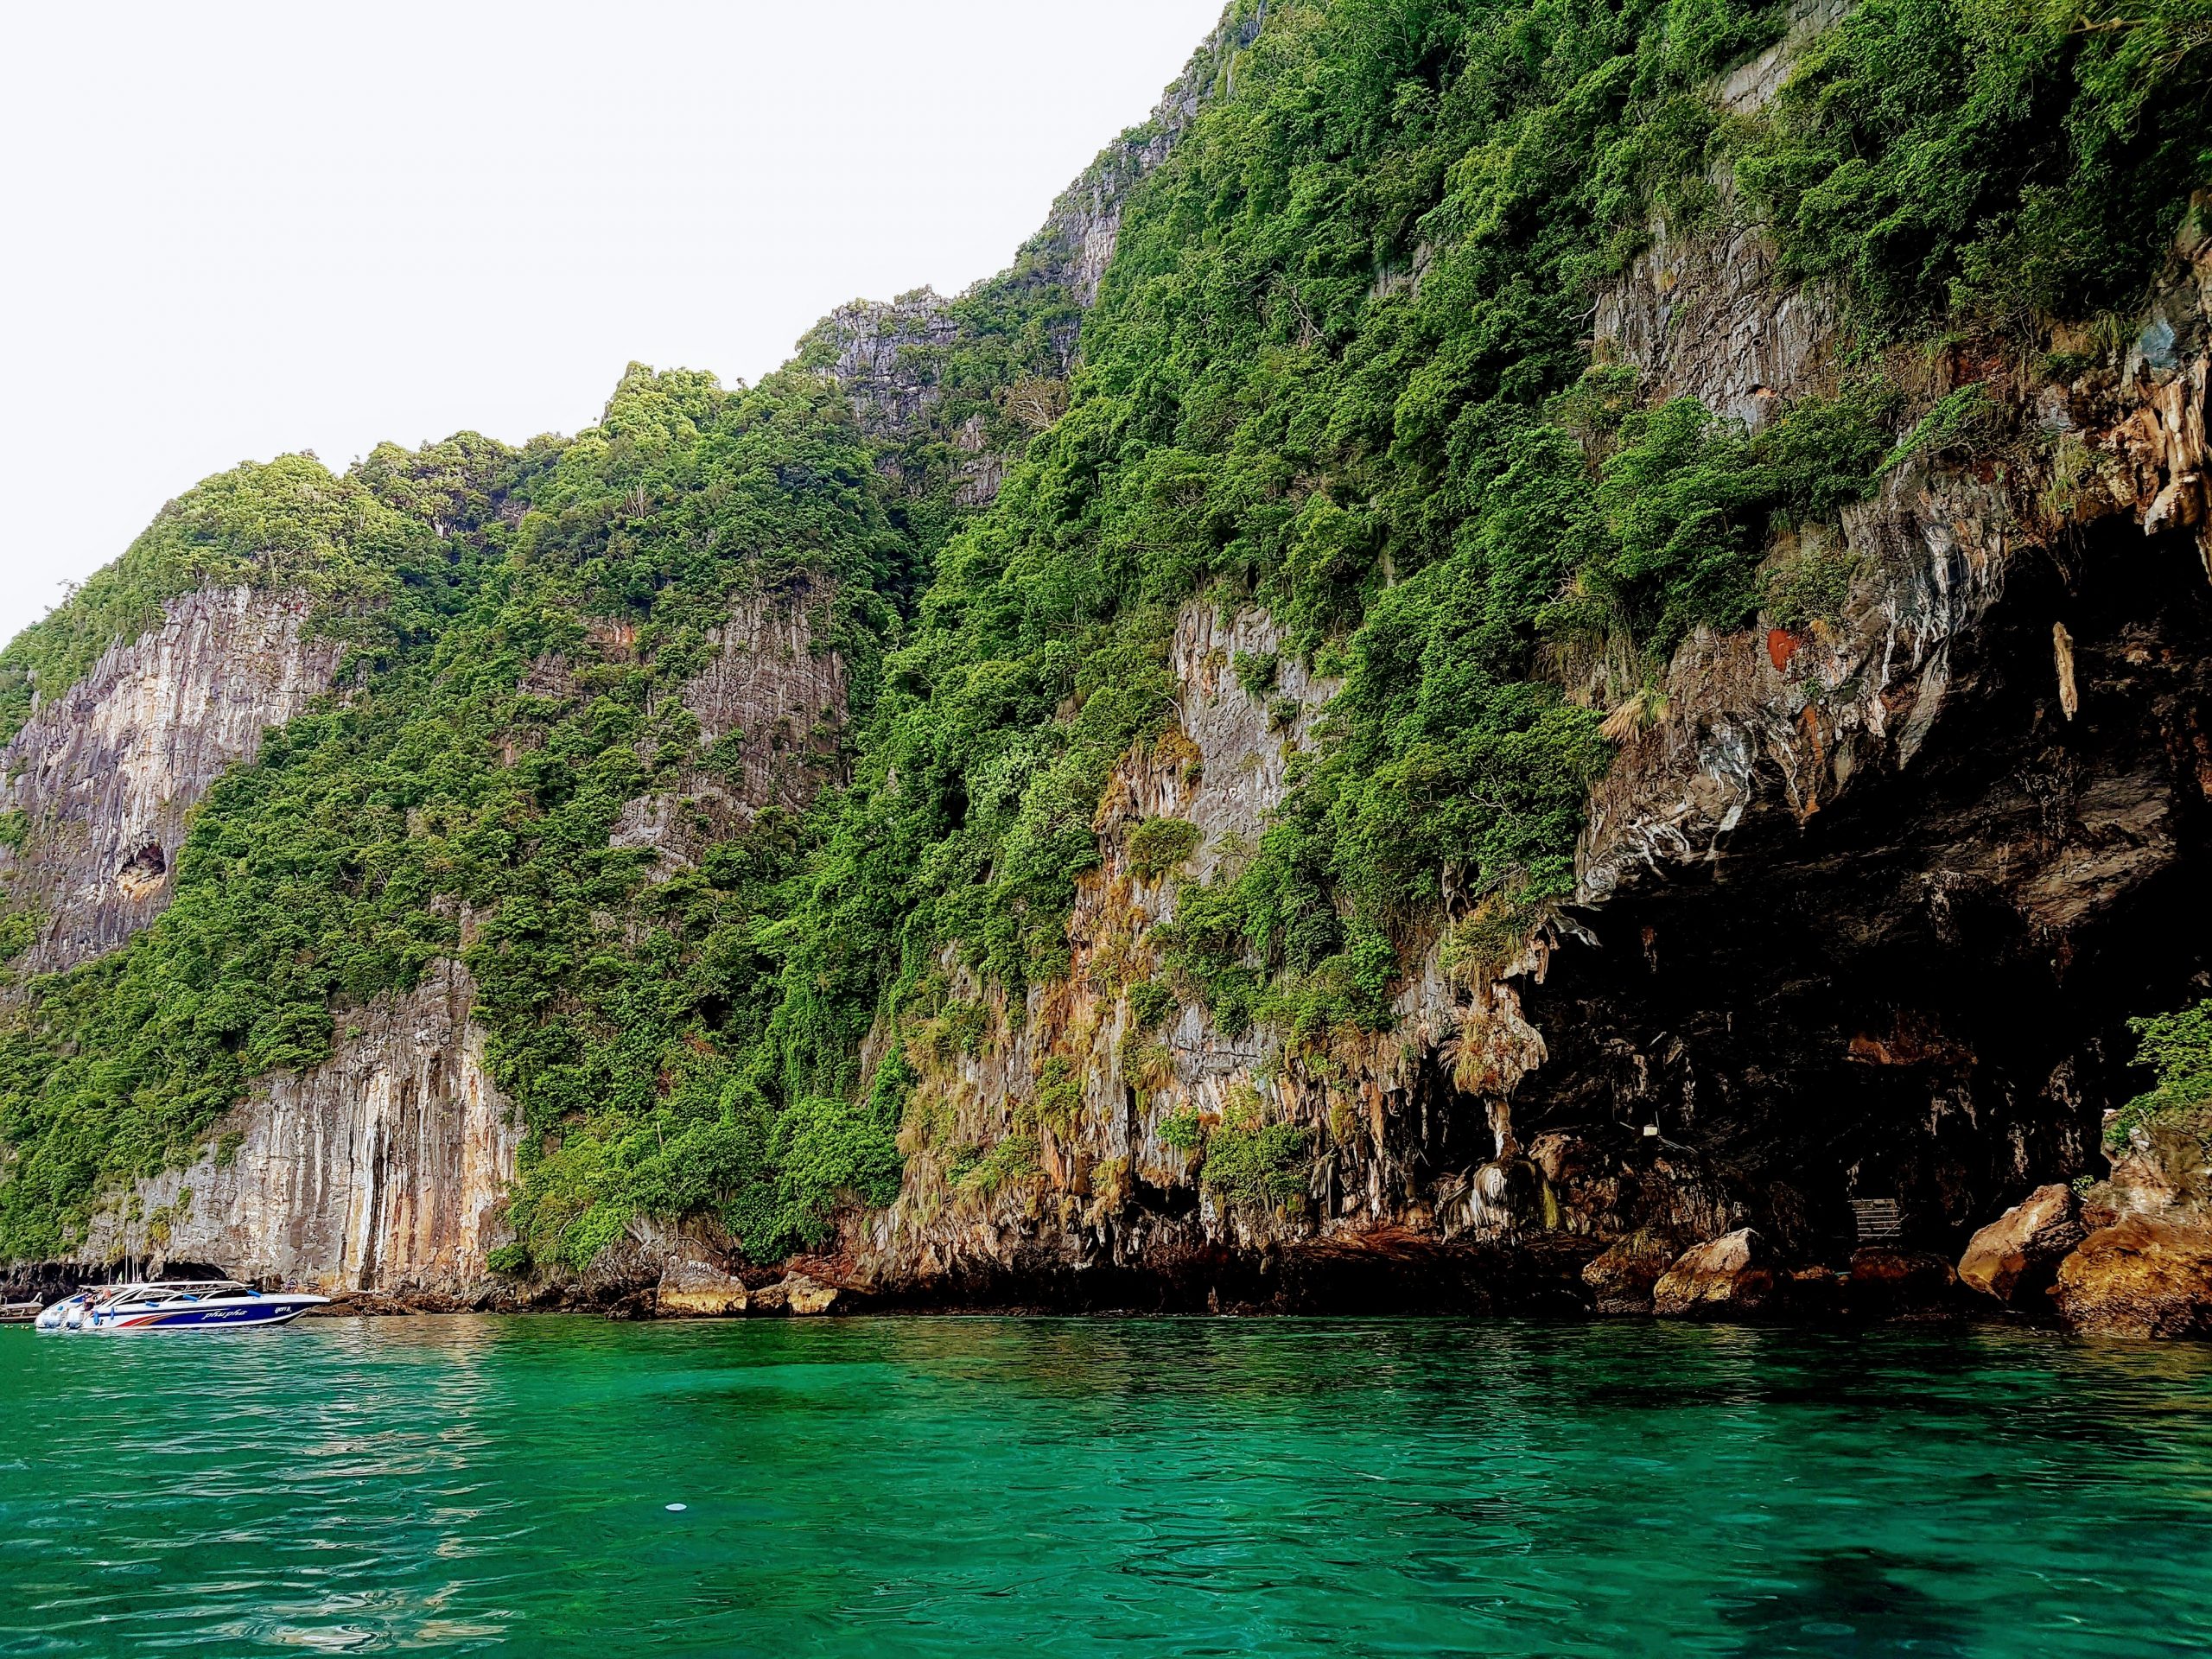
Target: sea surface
x,y
992,1486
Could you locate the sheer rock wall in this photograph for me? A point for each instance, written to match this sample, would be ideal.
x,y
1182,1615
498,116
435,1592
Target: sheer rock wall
x,y
106,773
385,1169
1859,914
771,707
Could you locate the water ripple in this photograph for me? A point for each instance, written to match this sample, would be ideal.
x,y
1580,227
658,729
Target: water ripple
x,y
1161,1487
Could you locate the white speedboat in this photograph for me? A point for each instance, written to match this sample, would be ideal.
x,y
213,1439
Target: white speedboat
x,y
57,1316
177,1305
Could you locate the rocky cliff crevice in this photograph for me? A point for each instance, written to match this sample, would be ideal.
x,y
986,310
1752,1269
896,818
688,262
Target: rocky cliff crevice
x,y
1007,1189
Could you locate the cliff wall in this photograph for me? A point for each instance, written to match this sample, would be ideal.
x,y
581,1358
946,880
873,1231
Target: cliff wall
x,y
386,1168
1861,907
106,773
1857,917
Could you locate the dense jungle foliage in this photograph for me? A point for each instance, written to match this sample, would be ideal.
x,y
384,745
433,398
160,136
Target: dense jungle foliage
x,y
1339,365
457,799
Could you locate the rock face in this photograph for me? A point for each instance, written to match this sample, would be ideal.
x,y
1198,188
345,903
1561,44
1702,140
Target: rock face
x,y
770,705
1860,911
1892,1284
106,773
1703,316
385,1169
2016,1257
694,1289
1860,915
1915,861
808,1298
1623,1279
1064,1208
388,1168
772,697
2142,1278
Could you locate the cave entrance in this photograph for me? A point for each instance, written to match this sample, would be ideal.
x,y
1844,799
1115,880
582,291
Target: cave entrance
x,y
1922,993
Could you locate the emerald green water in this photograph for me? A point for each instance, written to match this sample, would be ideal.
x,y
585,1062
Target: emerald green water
x,y
942,1486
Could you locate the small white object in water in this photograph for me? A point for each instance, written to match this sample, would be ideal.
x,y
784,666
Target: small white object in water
x,y
675,1508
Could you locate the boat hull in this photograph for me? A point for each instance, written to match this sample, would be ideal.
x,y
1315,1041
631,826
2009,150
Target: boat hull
x,y
176,1305
269,1311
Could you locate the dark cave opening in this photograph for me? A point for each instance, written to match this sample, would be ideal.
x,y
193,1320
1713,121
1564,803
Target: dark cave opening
x,y
1922,991
148,863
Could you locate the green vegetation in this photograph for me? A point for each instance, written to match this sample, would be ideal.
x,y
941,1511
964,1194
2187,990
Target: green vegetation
x,y
285,524
1257,671
2178,1046
1339,366
1159,845
445,808
1244,1158
1183,1129
2001,157
1265,1165
1150,1003
987,1174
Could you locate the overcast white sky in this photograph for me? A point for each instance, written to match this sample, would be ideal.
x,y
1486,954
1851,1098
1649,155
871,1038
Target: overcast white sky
x,y
228,230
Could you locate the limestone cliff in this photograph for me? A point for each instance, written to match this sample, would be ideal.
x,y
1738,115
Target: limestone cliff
x,y
1861,906
106,773
385,1169
1857,920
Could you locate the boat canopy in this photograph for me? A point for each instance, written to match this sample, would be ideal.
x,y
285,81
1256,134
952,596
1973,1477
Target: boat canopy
x,y
175,1290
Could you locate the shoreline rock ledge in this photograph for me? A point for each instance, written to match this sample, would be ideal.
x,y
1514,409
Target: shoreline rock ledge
x,y
2144,1277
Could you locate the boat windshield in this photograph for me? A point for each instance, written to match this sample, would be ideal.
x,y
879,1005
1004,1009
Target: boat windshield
x,y
142,1295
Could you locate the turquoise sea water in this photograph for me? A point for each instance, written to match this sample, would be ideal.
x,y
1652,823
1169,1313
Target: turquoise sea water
x,y
1140,1487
